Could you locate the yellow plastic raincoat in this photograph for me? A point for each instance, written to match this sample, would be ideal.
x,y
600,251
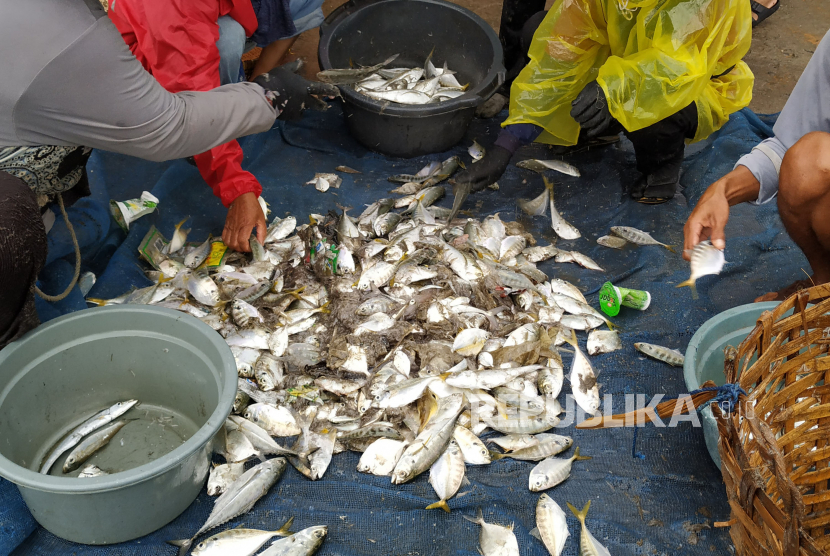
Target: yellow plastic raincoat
x,y
651,57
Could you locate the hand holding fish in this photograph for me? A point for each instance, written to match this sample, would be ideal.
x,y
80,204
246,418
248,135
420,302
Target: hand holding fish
x,y
709,217
244,214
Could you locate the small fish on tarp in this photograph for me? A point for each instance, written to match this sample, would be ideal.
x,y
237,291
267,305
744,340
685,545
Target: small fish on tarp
x,y
588,544
543,165
664,354
706,259
563,228
322,182
614,242
347,170
638,237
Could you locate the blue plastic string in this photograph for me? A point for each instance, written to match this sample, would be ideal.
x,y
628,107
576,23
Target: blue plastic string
x,y
726,398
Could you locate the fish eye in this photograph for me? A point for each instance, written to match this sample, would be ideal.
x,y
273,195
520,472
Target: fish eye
x,y
201,546
70,460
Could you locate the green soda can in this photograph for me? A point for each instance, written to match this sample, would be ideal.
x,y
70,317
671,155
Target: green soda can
x,y
612,298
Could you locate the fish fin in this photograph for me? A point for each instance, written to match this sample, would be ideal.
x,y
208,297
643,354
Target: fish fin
x,y
577,457
96,301
180,224
465,481
479,518
183,545
324,308
582,514
690,283
535,533
285,530
670,248
497,455
572,340
440,504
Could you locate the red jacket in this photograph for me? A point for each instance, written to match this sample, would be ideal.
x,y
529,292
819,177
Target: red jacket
x,y
175,40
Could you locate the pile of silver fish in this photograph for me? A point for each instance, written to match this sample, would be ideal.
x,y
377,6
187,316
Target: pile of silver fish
x,y
420,85
397,334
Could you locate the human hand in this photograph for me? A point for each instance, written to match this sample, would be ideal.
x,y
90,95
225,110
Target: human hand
x,y
708,220
486,171
590,110
244,214
293,93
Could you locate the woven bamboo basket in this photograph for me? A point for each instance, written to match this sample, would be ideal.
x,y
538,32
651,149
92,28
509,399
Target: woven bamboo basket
x,y
775,446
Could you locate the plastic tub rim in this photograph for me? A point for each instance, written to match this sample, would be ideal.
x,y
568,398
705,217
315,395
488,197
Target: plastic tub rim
x,y
470,99
26,478
690,363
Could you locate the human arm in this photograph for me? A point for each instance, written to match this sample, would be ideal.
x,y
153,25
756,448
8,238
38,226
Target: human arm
x,y
565,55
708,219
113,104
488,170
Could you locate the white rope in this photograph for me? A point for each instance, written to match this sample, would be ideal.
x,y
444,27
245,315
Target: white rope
x,y
54,298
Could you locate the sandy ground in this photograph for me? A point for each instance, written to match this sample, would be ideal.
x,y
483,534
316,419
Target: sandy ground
x,y
781,46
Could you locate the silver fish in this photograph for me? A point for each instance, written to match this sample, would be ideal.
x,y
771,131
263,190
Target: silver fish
x,y
552,471
706,259
583,380
100,419
277,421
562,228
664,354
551,525
447,475
476,151
603,341
544,165
638,237
304,543
198,255
239,542
91,444
91,471
259,437
280,228
352,75
495,540
547,445
178,239
203,288
472,448
430,443
381,457
614,242
588,545
240,497
221,476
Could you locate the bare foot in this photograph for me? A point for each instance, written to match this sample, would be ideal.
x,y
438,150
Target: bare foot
x,y
766,4
781,295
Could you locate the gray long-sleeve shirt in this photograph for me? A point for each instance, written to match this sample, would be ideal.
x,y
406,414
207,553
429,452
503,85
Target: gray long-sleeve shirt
x,y
807,110
69,79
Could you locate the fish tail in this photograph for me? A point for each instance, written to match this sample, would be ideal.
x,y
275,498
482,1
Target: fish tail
x,y
582,514
497,455
577,457
479,518
285,530
572,339
612,326
691,285
295,293
670,248
183,545
96,301
440,504
180,224
324,308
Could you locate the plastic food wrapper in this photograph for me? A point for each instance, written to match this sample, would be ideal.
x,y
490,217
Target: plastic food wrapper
x,y
651,57
613,298
217,255
152,247
126,212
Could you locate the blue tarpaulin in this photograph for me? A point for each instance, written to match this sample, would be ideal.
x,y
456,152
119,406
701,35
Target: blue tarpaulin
x,y
639,506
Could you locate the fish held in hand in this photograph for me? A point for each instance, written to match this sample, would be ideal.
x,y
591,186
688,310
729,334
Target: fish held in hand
x,y
706,259
544,165
563,228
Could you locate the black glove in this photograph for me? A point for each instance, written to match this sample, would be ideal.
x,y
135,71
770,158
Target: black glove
x,y
291,93
590,110
486,171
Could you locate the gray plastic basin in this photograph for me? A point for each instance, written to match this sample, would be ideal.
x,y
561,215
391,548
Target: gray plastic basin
x,y
63,372
704,357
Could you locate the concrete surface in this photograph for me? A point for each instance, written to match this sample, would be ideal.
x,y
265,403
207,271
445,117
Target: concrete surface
x,y
781,46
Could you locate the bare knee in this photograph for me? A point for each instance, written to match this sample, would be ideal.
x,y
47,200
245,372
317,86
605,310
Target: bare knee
x,y
805,171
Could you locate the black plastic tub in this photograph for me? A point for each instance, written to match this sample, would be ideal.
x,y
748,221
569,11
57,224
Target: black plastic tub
x,y
366,32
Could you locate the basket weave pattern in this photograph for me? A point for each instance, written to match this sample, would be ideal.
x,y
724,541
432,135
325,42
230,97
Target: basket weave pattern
x,y
775,448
